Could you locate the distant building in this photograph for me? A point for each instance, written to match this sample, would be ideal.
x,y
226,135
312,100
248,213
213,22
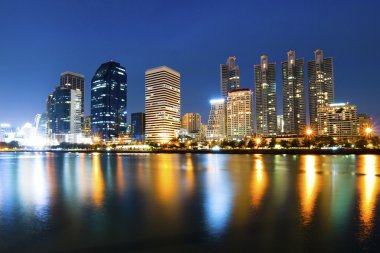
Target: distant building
x,y
64,114
162,104
293,92
109,101
280,124
338,120
76,82
266,105
364,122
138,126
321,85
229,76
192,122
239,114
216,128
87,126
40,125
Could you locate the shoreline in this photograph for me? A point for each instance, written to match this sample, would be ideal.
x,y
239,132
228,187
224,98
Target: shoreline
x,y
226,151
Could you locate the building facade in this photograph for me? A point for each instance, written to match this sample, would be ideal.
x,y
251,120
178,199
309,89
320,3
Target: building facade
x,y
229,76
192,122
293,92
76,82
138,126
338,120
162,104
265,97
64,114
239,114
109,101
364,122
321,85
216,127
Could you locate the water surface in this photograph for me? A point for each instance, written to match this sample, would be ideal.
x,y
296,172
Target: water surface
x,y
188,202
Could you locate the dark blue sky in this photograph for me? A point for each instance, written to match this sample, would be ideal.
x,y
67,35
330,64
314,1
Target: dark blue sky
x,y
40,39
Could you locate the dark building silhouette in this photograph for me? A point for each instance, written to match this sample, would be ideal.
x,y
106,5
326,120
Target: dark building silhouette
x,y
109,101
138,126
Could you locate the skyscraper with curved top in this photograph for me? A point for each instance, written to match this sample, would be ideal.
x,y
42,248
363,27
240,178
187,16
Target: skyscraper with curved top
x,y
109,101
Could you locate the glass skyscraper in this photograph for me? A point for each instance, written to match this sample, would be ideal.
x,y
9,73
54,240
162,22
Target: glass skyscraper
x,y
109,101
321,85
229,76
293,93
138,126
266,106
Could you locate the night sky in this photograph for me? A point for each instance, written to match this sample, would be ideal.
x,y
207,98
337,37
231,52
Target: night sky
x,y
41,39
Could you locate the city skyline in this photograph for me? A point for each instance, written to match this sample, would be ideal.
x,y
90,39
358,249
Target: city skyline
x,y
182,53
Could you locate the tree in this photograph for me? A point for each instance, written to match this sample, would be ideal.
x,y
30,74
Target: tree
x,y
361,143
272,143
295,143
284,144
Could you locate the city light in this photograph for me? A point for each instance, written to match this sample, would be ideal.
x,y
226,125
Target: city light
x,y
309,132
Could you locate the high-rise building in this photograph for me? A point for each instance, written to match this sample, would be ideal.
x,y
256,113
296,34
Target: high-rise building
x,y
64,113
109,101
321,85
138,126
76,82
293,92
229,76
162,104
266,105
216,127
239,114
192,122
338,120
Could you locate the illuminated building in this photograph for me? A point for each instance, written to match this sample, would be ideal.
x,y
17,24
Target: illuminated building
x,y
266,105
138,126
216,120
64,114
239,114
293,92
338,120
192,122
280,124
321,85
40,125
76,82
109,101
87,126
162,104
229,76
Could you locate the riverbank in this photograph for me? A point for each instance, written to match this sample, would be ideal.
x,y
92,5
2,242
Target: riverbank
x,y
222,151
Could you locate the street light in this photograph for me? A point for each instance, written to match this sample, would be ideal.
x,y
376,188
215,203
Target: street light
x,y
368,130
309,132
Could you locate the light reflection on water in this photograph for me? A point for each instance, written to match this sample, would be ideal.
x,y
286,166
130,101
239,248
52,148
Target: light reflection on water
x,y
73,201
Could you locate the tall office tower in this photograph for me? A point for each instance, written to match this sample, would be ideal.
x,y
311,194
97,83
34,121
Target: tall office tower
x,y
229,76
138,126
162,104
192,122
293,93
216,127
321,85
75,115
239,114
64,112
339,120
109,101
266,105
76,82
